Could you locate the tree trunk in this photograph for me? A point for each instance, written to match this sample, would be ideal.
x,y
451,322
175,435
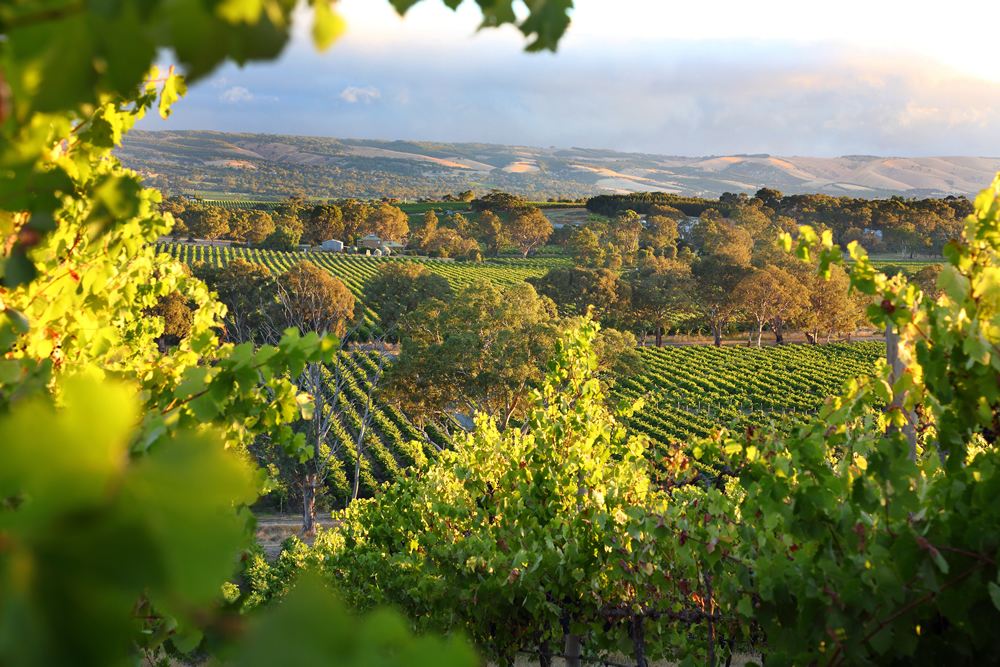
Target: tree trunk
x,y
760,332
717,335
809,338
572,651
309,505
750,337
659,336
357,465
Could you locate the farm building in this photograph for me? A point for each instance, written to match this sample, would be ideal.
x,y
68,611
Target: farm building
x,y
333,246
372,241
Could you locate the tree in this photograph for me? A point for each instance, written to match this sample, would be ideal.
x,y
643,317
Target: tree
x,y
282,238
239,226
829,307
423,236
459,223
310,299
660,231
769,198
927,279
248,291
481,352
324,222
789,300
715,298
177,318
498,201
586,247
755,222
625,232
387,222
356,214
731,244
576,290
661,294
398,288
770,295
209,222
261,225
494,231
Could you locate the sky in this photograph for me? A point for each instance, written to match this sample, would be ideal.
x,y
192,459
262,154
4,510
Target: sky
x,y
857,77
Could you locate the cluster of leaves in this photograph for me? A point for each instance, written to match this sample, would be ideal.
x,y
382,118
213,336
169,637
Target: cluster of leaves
x,y
522,536
122,498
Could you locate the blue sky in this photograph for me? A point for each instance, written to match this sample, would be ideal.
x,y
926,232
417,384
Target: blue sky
x,y
779,77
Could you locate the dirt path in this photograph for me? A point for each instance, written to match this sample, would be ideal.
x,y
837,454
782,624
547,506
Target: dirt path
x,y
274,529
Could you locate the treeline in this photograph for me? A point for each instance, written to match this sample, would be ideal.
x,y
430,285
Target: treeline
x,y
644,202
881,225
288,223
502,222
714,274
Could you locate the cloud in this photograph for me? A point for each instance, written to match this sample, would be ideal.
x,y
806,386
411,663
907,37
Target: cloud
x,y
236,95
669,97
367,95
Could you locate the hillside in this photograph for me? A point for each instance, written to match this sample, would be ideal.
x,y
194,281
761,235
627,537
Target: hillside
x,y
278,166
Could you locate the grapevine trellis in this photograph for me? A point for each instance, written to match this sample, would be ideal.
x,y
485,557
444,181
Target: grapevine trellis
x,y
691,390
230,204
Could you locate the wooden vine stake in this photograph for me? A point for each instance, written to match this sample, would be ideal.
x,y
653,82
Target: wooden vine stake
x,y
639,640
572,650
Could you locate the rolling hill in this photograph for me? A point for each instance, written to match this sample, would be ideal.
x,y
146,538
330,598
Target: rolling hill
x,y
276,166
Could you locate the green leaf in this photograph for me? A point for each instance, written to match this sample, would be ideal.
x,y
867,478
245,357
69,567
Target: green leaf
x,y
994,594
174,88
19,270
10,371
328,25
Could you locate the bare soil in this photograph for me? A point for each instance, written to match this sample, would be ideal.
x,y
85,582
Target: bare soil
x,y
272,530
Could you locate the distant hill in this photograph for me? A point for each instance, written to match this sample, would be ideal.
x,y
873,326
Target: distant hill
x,y
276,166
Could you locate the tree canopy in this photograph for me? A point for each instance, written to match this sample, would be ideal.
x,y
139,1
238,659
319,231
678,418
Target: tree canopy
x,y
398,288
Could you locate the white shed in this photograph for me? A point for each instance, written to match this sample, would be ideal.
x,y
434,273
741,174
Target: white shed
x,y
333,246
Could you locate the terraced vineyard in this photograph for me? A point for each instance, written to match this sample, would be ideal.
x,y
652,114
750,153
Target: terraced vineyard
x,y
690,390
